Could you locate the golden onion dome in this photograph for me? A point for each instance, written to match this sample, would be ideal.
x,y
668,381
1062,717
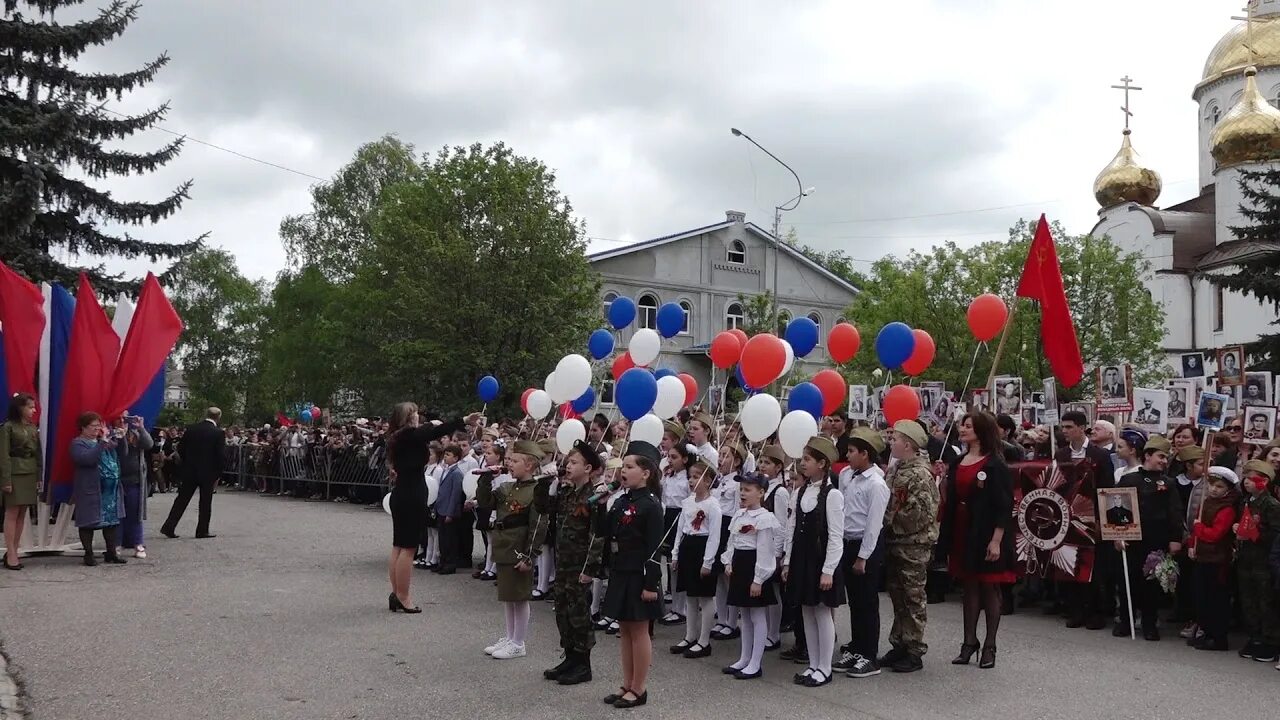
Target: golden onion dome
x,y
1125,180
1250,131
1231,54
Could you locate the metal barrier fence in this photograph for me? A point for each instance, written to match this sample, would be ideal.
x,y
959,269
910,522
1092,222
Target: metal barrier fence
x,y
314,472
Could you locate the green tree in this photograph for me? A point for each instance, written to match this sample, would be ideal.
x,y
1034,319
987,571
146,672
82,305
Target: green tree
x,y
54,122
303,343
1116,318
220,350
836,261
1259,278
340,223
475,267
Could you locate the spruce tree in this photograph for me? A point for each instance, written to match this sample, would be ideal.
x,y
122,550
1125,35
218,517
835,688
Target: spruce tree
x,y
54,122
1259,273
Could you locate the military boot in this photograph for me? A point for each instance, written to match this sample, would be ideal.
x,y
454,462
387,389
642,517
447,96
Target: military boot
x,y
580,672
555,672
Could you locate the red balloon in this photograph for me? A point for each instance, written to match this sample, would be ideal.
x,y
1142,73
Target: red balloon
x,y
843,342
621,364
763,358
740,334
901,403
524,400
922,356
690,388
726,349
987,316
833,388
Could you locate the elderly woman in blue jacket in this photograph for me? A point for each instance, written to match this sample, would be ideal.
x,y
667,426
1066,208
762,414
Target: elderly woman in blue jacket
x,y
96,491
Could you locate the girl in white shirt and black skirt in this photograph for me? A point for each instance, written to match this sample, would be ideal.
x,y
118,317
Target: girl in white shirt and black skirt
x,y
725,490
750,564
695,561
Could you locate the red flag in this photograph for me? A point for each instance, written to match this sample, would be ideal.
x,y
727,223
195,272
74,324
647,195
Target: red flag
x,y
284,421
86,383
22,315
1042,281
152,334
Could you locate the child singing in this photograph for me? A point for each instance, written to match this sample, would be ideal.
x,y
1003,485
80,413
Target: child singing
x,y
749,563
697,537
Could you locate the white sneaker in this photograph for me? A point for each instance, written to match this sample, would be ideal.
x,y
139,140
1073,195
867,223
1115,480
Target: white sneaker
x,y
497,646
141,552
509,651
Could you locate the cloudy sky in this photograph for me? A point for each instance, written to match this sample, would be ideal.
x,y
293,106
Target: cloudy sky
x,y
917,121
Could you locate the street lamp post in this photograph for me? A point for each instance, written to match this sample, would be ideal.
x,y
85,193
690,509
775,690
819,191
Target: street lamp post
x,y
787,206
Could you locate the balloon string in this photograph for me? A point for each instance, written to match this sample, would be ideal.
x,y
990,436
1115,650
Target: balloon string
x,y
946,432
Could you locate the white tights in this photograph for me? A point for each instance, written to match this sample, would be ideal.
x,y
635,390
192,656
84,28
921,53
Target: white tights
x,y
726,615
597,595
754,631
490,566
697,625
774,612
820,633
433,546
517,621
546,569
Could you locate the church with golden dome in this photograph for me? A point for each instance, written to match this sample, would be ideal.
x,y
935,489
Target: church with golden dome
x,y
1185,243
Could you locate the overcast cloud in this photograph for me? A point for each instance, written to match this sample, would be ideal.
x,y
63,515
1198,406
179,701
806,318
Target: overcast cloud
x,y
891,110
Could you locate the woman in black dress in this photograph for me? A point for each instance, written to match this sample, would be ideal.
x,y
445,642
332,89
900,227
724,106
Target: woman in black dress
x,y
633,531
407,455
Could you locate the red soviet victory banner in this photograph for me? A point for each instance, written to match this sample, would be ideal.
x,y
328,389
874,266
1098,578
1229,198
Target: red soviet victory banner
x,y
1042,281
22,315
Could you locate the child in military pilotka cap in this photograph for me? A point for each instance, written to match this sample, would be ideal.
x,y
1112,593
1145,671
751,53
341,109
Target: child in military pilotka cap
x,y
546,563
1256,532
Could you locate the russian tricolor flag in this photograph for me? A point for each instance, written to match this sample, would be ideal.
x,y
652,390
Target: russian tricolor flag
x,y
55,344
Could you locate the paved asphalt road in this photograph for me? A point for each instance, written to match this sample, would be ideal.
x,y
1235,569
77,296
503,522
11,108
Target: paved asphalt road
x,y
284,615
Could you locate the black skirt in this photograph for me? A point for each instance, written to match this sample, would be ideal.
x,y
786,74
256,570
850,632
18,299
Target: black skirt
x,y
725,522
484,520
433,520
408,514
622,599
689,577
803,576
744,572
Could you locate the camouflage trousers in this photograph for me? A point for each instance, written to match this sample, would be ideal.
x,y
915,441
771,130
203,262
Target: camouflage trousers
x,y
1258,600
573,611
906,571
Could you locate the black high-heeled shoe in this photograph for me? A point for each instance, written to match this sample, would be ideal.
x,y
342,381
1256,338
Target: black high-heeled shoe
x,y
623,703
397,605
392,602
7,566
988,658
966,653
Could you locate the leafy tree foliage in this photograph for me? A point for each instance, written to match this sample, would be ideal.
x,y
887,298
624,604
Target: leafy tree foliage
x,y
1260,275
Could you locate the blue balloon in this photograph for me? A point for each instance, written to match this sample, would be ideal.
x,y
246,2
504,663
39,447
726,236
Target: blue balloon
x,y
585,402
663,372
635,393
807,397
737,370
670,319
487,388
802,333
895,344
622,312
600,344
304,415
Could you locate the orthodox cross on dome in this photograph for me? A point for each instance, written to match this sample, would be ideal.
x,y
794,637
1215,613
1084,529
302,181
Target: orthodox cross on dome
x,y
1126,87
1248,20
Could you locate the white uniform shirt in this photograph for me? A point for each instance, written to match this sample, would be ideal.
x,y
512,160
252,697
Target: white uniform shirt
x,y
749,464
753,530
675,488
866,496
708,527
781,501
808,500
708,452
469,463
726,492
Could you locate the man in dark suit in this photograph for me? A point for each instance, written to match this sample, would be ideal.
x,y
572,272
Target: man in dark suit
x,y
1111,385
1090,604
1118,514
200,460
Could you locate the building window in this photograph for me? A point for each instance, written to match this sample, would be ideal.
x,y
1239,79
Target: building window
x,y
733,316
609,297
1212,115
737,253
687,307
1218,302
817,320
647,311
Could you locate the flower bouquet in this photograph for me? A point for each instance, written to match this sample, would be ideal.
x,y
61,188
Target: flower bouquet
x,y
1161,567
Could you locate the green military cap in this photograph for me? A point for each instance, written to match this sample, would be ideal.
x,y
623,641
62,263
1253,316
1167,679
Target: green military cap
x,y
868,436
1157,442
737,449
1262,467
548,446
1191,453
528,447
705,419
823,447
491,432
775,452
675,428
912,430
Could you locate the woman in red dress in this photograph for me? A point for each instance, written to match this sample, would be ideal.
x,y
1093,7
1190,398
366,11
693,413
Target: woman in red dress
x,y
977,533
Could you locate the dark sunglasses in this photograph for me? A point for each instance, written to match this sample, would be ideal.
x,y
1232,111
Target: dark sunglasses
x,y
1235,428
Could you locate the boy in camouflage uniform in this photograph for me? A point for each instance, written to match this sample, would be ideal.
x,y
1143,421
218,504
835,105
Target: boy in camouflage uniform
x,y
911,527
578,562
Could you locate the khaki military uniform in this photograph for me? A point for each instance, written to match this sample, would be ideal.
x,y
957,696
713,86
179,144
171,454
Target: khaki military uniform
x,y
519,528
911,525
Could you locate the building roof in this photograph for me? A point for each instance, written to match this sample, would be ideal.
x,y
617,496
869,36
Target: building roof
x,y
1236,252
751,227
1193,232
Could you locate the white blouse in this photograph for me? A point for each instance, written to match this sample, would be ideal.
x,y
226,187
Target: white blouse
x,y
708,528
753,530
725,490
675,488
808,500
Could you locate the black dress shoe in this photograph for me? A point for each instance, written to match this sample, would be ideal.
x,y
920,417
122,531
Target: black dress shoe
x,y
680,647
624,703
814,681
744,675
7,566
168,533
612,698
697,651
113,559
728,670
206,535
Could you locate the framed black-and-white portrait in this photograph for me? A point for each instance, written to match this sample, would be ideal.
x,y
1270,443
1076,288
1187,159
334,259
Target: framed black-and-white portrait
x,y
1181,402
1192,365
857,402
1150,408
1259,425
1230,366
1256,390
1008,396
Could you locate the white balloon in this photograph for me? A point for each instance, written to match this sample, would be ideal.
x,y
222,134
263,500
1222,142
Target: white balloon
x,y
760,416
795,431
647,429
433,490
570,432
791,358
644,347
539,404
469,484
552,386
386,503
670,397
573,376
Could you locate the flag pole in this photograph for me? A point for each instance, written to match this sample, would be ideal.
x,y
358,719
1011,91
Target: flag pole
x,y
995,361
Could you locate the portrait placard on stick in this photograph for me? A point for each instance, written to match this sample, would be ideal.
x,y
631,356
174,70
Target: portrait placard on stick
x,y
1049,415
1150,406
858,402
1192,365
1212,410
1115,388
1181,401
1121,519
1259,425
1008,391
1087,408
1257,389
1230,366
